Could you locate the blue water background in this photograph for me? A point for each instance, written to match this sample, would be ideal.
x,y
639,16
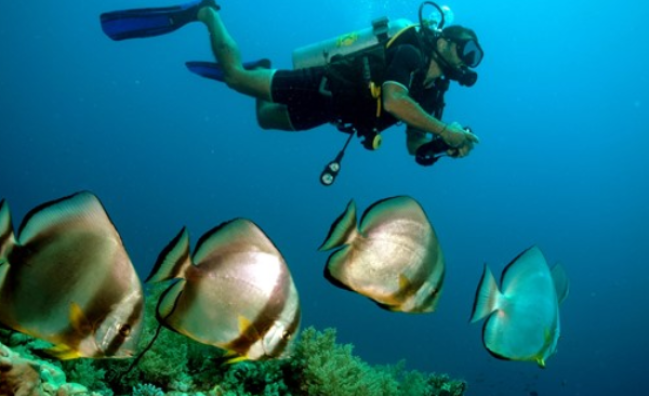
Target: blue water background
x,y
561,107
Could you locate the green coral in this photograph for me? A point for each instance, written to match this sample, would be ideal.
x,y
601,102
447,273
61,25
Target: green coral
x,y
318,366
147,390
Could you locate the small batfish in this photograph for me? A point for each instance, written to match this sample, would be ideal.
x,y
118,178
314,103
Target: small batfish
x,y
393,258
523,319
235,292
68,280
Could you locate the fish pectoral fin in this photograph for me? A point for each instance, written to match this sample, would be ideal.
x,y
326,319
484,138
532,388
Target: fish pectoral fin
x,y
561,282
173,261
62,352
167,302
247,329
404,282
79,320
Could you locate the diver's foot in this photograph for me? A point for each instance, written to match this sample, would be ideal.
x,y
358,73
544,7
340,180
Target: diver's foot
x,y
205,14
210,3
206,7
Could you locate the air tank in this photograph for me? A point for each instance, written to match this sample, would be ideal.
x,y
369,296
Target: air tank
x,y
319,54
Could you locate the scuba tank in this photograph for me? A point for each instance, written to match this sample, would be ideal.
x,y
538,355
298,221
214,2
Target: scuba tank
x,y
321,53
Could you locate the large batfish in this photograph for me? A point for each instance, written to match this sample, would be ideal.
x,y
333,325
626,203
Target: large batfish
x,y
394,257
68,280
235,292
523,319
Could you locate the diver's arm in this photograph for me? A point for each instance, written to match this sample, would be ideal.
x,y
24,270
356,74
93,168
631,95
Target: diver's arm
x,y
398,102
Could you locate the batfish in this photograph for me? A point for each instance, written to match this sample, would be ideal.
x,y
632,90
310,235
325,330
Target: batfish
x,y
523,320
68,280
235,292
394,257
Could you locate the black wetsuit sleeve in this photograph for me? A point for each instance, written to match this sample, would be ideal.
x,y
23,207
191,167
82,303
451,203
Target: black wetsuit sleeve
x,y
428,101
403,62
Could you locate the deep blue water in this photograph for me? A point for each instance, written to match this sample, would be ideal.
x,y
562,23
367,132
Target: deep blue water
x,y
561,107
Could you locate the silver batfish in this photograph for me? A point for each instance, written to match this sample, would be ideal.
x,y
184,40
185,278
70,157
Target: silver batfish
x,y
523,320
67,279
235,292
394,257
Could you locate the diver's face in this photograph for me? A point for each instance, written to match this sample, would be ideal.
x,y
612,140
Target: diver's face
x,y
448,49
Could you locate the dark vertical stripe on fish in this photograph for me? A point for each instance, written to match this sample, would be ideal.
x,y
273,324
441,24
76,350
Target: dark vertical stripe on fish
x,y
267,316
4,237
119,339
291,330
430,299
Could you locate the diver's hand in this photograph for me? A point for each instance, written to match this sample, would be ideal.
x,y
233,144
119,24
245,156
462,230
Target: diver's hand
x,y
459,139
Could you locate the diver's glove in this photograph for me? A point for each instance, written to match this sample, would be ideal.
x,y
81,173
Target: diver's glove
x,y
460,140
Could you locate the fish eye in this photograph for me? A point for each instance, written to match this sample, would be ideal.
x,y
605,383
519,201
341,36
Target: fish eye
x,y
286,335
125,330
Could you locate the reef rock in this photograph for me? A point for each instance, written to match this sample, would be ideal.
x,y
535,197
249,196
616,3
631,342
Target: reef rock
x,y
21,376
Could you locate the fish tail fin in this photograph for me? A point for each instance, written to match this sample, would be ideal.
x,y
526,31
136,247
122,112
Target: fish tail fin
x,y
343,230
174,259
7,239
487,297
561,282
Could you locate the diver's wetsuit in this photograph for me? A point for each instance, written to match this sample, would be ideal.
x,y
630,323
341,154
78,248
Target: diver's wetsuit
x,y
308,107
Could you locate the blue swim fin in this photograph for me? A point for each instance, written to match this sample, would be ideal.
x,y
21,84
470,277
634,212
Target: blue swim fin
x,y
213,70
148,22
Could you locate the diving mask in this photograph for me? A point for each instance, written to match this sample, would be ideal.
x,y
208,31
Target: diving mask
x,y
469,52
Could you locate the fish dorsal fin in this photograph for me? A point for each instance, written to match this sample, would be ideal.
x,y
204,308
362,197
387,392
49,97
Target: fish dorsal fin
x,y
487,298
7,240
561,282
342,230
385,210
168,301
82,210
174,259
235,235
78,320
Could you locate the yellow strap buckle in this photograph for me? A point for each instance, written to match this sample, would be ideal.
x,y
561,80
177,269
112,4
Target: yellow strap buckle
x,y
375,90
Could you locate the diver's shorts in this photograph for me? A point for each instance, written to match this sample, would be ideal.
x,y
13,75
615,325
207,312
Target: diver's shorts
x,y
299,90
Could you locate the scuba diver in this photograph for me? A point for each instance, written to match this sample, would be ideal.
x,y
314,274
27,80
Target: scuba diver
x,y
363,86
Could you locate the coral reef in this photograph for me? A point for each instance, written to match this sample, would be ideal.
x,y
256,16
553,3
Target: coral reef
x,y
29,376
178,366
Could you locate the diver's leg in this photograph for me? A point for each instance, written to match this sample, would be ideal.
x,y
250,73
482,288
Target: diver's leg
x,y
273,116
255,82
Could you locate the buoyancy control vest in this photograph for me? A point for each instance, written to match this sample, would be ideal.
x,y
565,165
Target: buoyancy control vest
x,y
353,79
